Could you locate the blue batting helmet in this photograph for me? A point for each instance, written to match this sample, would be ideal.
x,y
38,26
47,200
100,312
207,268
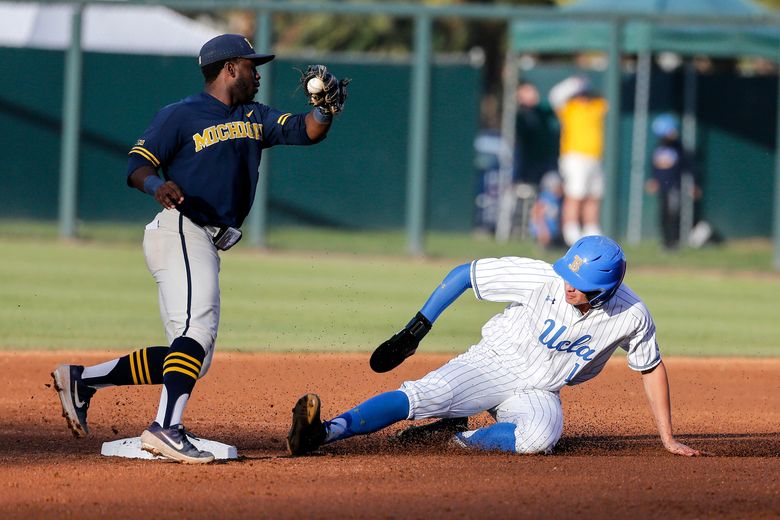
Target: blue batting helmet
x,y
594,265
666,125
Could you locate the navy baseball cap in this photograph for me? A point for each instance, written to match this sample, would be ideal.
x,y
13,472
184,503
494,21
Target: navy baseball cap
x,y
228,46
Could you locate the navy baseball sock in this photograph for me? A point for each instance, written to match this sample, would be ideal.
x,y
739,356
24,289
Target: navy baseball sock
x,y
378,412
180,373
142,367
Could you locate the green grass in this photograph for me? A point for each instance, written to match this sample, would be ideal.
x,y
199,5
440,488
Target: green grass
x,y
753,255
354,292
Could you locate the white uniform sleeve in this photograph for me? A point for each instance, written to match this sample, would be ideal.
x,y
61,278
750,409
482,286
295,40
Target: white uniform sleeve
x,y
509,279
642,348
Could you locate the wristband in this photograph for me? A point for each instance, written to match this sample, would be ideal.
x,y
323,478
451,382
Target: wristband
x,y
322,117
419,326
152,183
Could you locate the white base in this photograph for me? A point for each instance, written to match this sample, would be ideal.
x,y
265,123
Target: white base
x,y
131,448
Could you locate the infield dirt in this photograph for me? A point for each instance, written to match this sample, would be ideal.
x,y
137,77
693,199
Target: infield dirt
x,y
609,463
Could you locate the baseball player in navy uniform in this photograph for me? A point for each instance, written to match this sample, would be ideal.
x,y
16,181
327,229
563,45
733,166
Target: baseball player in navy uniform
x,y
561,325
207,147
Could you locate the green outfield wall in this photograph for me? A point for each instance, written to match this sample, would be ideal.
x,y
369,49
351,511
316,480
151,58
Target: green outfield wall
x,y
356,178
735,155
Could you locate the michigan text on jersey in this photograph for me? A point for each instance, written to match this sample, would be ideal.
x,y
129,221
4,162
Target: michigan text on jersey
x,y
225,131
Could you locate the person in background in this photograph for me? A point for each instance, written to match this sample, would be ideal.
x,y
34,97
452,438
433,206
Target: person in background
x,y
581,114
536,135
545,221
668,164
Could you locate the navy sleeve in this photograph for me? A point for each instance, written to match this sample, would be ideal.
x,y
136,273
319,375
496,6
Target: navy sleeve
x,y
158,144
283,127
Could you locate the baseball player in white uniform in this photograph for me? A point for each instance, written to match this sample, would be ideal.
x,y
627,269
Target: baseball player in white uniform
x,y
561,325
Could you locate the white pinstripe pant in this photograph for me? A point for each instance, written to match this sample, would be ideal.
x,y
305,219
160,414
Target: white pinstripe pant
x,y
469,385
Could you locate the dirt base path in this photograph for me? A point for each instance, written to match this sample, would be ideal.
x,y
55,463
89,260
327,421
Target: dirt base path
x,y
609,463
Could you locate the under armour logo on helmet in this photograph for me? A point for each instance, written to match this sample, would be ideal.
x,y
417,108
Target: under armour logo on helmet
x,y
575,264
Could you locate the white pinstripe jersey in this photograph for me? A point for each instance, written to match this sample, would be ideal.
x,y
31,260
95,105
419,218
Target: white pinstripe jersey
x,y
547,342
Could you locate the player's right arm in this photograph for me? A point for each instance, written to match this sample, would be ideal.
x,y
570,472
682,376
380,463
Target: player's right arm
x,y
510,279
152,151
167,193
404,343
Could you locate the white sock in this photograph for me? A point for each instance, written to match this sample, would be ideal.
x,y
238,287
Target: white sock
x,y
571,232
99,370
176,412
591,229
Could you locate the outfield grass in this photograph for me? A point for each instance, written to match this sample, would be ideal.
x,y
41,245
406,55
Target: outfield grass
x,y
97,294
753,255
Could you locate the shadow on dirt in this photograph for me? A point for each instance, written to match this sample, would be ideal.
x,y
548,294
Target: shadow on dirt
x,y
22,444
717,444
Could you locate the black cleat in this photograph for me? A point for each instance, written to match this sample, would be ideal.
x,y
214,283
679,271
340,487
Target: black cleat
x,y
74,397
307,432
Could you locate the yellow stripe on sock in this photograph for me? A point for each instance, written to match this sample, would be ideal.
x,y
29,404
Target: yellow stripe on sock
x,y
146,368
183,356
182,363
132,368
182,370
139,368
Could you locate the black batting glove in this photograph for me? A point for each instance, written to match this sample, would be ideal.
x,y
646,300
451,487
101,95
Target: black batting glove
x,y
403,344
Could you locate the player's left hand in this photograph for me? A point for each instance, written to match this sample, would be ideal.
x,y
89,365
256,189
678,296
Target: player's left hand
x,y
679,448
324,91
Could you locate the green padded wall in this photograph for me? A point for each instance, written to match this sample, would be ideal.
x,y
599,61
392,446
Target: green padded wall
x,y
735,140
356,178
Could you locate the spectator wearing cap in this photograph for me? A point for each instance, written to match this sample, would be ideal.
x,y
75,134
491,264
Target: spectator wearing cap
x,y
668,163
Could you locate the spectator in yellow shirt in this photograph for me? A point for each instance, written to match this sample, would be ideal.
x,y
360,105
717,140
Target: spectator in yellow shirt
x,y
581,114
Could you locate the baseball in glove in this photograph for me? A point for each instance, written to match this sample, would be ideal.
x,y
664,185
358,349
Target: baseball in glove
x,y
403,344
324,91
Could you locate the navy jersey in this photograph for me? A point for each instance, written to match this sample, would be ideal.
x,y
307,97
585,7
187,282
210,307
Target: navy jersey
x,y
212,152
668,164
